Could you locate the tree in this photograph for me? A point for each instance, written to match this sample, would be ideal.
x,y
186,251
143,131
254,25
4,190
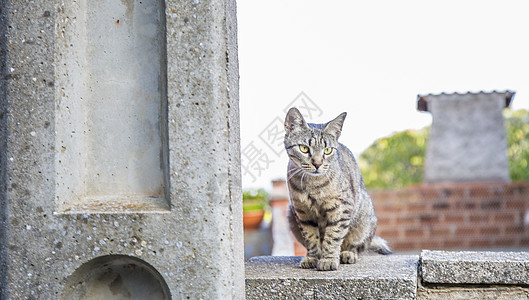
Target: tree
x,y
517,126
398,160
254,200
395,161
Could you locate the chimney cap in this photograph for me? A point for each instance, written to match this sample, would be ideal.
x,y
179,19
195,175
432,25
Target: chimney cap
x,y
422,100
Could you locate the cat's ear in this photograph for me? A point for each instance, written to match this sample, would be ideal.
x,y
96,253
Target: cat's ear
x,y
294,121
334,127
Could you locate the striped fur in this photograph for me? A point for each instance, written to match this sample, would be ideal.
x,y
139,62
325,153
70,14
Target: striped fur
x,y
331,213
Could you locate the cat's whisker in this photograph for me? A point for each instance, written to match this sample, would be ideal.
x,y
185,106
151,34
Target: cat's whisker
x,y
331,173
293,170
328,177
294,173
302,179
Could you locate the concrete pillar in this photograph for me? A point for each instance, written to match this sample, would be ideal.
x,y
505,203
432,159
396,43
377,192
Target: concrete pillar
x,y
119,150
279,201
467,139
285,244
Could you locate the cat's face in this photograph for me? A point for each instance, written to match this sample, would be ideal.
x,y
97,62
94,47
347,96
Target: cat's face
x,y
311,147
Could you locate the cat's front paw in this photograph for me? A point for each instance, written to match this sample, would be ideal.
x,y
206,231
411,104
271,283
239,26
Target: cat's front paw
x,y
348,257
328,264
309,262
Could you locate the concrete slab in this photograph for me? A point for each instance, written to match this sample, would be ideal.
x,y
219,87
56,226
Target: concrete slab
x,y
473,267
372,277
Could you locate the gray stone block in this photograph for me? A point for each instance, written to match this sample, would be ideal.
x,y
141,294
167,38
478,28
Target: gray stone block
x,y
372,277
471,267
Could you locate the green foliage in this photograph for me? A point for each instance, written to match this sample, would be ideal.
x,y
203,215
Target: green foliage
x,y
398,160
395,161
517,126
254,200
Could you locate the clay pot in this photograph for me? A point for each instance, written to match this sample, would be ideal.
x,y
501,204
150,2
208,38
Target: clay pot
x,y
252,219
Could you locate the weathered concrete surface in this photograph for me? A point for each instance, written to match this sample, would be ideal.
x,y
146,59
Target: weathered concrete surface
x,y
443,275
475,267
116,277
465,293
111,113
372,277
196,246
467,138
474,275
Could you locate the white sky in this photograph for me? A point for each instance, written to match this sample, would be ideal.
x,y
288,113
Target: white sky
x,y
370,59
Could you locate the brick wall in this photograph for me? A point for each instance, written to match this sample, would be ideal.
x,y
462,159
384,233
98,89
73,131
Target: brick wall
x,y
478,215
454,216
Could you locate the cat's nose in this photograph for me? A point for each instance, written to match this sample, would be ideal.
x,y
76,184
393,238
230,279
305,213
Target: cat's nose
x,y
316,165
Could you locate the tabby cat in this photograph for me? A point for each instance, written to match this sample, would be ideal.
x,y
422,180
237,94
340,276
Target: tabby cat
x,y
331,213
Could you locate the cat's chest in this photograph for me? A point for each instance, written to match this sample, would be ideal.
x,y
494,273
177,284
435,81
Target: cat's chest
x,y
317,201
320,196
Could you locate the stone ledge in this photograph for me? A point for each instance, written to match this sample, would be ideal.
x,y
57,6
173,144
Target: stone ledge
x,y
372,277
473,267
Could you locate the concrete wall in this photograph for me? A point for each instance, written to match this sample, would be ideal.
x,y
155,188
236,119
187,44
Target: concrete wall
x,y
187,238
432,275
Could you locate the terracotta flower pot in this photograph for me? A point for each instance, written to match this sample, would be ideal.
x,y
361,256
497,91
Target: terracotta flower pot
x,y
252,219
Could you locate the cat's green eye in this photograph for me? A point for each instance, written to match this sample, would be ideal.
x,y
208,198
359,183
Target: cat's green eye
x,y
327,151
303,148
